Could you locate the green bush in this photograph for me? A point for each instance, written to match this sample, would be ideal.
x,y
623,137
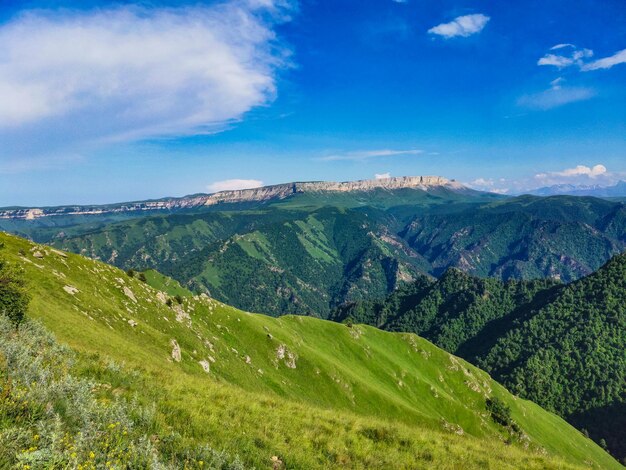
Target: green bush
x,y
14,297
500,411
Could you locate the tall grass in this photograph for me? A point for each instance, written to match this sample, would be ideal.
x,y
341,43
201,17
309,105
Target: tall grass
x,y
49,418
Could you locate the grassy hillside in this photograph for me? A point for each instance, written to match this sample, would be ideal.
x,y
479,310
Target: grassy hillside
x,y
563,346
307,392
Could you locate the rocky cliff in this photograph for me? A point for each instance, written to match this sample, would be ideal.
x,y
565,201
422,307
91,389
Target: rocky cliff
x,y
266,193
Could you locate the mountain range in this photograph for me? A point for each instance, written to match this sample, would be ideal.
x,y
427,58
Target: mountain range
x,y
528,288
311,252
618,190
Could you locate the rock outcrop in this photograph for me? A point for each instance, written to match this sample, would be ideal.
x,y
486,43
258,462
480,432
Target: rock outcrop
x,y
266,193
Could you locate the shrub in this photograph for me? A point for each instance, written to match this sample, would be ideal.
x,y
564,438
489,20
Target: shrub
x,y
130,273
500,411
142,277
50,418
14,297
179,299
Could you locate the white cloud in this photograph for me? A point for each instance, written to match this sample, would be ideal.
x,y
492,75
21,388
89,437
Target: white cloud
x,y
579,56
575,57
489,185
561,46
368,154
555,60
463,26
579,170
606,62
382,176
596,175
233,185
555,96
577,175
483,182
131,73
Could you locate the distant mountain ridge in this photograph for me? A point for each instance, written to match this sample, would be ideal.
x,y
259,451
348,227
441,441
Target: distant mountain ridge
x,y
617,190
265,193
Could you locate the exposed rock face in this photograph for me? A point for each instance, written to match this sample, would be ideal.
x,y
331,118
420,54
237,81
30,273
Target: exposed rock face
x,y
266,193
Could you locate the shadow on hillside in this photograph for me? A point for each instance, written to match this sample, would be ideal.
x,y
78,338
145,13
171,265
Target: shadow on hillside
x,y
608,423
478,346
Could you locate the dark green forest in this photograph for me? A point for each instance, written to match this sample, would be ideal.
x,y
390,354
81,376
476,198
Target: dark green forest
x,y
560,345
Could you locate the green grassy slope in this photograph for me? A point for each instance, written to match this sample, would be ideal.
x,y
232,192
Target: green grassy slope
x,y
315,393
165,284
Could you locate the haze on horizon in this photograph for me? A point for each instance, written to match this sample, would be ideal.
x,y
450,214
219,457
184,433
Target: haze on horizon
x,y
104,101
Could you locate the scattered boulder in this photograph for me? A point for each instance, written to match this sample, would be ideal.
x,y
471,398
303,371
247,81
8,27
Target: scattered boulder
x,y
132,323
176,354
129,294
181,315
58,252
161,297
70,289
205,366
284,354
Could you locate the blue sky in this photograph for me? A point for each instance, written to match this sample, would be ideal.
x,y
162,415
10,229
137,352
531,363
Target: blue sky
x,y
111,101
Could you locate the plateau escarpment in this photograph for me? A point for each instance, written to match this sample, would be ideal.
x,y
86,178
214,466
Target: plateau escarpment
x,y
265,193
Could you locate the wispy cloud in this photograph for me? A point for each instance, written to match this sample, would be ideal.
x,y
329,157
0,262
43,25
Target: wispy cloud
x,y
576,56
580,57
489,185
561,46
233,185
130,72
606,62
369,154
42,163
382,176
462,26
555,96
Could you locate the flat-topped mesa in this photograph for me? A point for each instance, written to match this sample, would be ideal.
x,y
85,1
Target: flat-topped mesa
x,y
280,191
400,182
265,193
